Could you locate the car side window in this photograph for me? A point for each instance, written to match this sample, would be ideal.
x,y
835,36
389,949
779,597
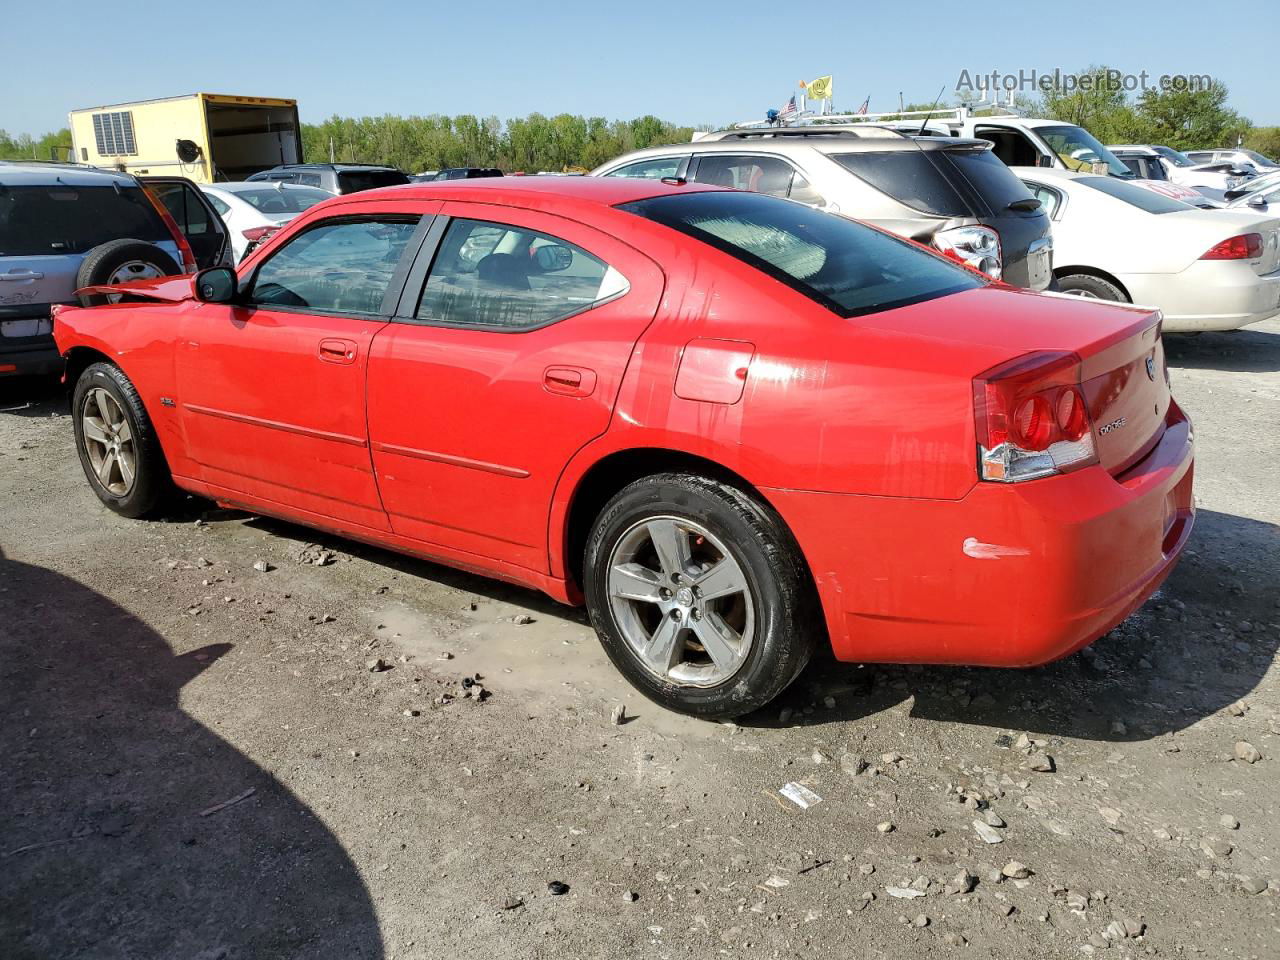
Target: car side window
x,y
1049,199
219,204
339,266
509,278
655,168
803,192
309,179
769,175
184,206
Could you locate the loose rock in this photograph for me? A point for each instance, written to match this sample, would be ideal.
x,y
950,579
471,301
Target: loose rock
x,y
557,889
618,715
1247,752
262,566
1016,871
987,832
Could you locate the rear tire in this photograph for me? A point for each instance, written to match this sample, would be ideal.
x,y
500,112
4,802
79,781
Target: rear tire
x,y
118,449
699,595
118,261
1091,287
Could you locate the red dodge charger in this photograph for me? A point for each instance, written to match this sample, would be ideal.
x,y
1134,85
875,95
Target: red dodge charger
x,y
734,426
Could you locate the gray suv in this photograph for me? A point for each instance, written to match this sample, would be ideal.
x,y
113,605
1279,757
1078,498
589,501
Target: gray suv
x,y
335,177
949,193
63,227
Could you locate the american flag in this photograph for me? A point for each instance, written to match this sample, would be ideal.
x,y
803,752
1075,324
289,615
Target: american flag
x,y
789,111
863,109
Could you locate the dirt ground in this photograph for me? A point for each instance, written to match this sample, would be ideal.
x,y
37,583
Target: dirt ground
x,y
197,762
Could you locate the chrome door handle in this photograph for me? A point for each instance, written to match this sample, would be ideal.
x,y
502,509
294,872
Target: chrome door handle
x,y
22,275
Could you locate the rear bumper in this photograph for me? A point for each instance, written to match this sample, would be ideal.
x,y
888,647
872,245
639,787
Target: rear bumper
x,y
1208,295
24,359
1012,575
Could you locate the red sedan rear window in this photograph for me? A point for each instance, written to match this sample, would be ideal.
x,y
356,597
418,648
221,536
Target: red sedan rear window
x,y
849,268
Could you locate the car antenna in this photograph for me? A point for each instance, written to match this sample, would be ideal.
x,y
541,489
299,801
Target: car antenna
x,y
929,116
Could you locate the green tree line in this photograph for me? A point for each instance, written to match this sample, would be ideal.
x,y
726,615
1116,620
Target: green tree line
x,y
1184,120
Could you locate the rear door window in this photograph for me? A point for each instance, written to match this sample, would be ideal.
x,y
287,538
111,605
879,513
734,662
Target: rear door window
x,y
769,175
849,268
908,176
509,278
338,266
74,219
1143,199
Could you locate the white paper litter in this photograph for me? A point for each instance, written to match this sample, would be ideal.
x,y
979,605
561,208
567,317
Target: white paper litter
x,y
800,795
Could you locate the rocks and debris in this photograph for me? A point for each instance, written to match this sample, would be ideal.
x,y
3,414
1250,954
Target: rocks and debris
x,y
1041,763
892,757
800,795
867,869
315,555
920,921
262,566
885,827
630,896
852,764
1015,870
1253,885
819,756
377,665
1228,821
987,832
1216,849
556,888
777,882
1110,814
904,893
1247,752
618,715
522,619
1239,708
1077,902
511,903
992,818
962,883
238,798
954,939
1118,930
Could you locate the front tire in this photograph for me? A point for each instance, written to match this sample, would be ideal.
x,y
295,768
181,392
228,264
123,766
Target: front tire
x,y
699,595
118,449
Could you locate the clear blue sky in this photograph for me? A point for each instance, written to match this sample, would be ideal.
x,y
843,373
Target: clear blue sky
x,y
686,62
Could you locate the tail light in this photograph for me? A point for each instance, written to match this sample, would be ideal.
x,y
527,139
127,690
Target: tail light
x,y
1032,418
187,255
1246,246
975,246
258,234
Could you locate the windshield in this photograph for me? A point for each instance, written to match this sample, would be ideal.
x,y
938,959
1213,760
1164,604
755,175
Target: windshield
x,y
1135,196
1078,150
1174,157
1258,158
271,201
849,268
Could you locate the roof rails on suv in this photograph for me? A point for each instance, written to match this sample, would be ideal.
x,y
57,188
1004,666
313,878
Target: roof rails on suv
x,y
811,131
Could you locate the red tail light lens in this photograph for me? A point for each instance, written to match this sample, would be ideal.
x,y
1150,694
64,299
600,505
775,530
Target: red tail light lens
x,y
1032,419
255,234
1247,246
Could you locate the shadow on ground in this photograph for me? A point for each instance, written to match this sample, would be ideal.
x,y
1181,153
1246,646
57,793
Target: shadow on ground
x,y
1239,351
32,396
1183,657
104,852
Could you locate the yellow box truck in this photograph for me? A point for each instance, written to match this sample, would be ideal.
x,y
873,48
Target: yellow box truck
x,y
204,137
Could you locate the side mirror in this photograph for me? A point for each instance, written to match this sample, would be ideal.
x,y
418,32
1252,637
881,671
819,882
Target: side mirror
x,y
215,285
1045,161
1256,200
553,257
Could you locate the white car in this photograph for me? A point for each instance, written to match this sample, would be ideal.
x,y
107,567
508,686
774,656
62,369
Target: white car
x,y
1146,160
1206,269
253,210
1264,198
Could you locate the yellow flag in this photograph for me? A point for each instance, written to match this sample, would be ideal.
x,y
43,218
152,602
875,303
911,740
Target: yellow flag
x,y
819,89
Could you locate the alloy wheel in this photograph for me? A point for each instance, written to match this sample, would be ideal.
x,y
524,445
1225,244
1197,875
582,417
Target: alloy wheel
x,y
108,442
681,601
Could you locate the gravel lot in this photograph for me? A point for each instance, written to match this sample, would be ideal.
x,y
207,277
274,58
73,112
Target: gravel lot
x,y
149,673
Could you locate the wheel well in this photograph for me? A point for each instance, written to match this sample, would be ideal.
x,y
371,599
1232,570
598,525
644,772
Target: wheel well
x,y
1060,272
606,478
78,359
